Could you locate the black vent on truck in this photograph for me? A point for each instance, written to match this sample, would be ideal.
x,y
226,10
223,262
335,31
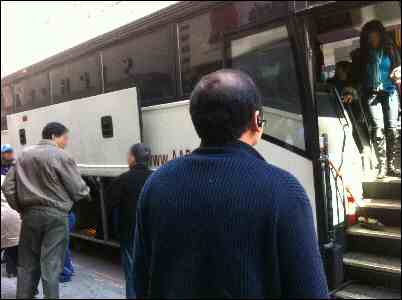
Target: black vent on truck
x,y
23,137
107,126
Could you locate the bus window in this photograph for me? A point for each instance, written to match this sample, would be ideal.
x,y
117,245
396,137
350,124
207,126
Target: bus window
x,y
200,46
3,113
267,57
147,62
3,122
32,92
201,37
7,105
76,80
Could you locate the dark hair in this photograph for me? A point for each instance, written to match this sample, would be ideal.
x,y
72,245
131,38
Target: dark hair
x,y
387,43
344,65
222,106
53,128
141,152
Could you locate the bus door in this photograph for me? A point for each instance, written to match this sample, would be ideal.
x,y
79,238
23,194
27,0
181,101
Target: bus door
x,y
268,54
332,35
341,163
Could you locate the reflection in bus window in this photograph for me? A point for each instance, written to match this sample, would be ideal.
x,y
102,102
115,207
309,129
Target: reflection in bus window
x,y
32,92
199,49
147,62
201,38
3,113
76,80
268,58
7,105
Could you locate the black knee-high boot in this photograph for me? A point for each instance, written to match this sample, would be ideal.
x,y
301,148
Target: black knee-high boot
x,y
379,146
392,140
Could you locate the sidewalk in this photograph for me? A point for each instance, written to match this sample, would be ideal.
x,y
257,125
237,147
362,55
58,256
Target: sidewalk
x,y
96,278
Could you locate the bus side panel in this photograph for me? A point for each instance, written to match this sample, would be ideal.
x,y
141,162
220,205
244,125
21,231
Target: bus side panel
x,y
169,132
96,155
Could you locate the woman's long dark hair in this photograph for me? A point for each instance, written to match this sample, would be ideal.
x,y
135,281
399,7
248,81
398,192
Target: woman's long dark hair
x,y
387,44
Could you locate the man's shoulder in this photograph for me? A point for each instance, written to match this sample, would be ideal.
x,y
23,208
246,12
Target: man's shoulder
x,y
287,188
133,174
171,167
272,175
47,153
60,154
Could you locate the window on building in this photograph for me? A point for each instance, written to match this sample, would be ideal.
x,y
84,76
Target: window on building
x,y
147,62
267,57
32,92
76,80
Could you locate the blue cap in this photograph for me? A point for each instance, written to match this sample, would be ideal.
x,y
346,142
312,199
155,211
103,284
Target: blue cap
x,y
6,148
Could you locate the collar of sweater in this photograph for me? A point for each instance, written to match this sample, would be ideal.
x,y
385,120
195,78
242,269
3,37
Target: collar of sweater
x,y
229,148
139,166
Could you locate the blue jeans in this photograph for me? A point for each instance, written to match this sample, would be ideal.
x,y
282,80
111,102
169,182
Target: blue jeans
x,y
68,269
384,110
127,259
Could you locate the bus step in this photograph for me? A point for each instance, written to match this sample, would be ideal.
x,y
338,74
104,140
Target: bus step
x,y
384,242
387,188
390,233
362,291
389,265
381,204
387,211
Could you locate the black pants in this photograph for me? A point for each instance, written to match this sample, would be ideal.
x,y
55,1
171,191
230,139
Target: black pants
x,y
11,256
42,249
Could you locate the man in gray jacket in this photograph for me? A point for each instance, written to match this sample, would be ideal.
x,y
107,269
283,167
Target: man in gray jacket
x,y
42,187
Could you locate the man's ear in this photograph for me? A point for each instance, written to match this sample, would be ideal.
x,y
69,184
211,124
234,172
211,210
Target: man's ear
x,y
256,123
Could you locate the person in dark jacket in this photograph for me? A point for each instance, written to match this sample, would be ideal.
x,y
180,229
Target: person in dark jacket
x,y
377,71
123,194
222,222
342,75
341,82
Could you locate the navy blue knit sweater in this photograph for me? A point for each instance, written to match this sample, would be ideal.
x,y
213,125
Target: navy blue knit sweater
x,y
224,223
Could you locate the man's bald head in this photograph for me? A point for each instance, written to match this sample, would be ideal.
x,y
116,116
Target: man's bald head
x,y
223,105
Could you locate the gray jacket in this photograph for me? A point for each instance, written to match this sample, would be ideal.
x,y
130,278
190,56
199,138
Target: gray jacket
x,y
44,176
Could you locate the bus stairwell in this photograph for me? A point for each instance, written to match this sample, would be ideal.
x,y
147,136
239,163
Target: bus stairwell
x,y
372,256
369,235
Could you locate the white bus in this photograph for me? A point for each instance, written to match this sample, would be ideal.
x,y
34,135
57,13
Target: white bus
x,y
133,84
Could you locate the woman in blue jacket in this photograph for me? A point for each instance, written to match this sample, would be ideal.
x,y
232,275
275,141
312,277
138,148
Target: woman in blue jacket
x,y
378,74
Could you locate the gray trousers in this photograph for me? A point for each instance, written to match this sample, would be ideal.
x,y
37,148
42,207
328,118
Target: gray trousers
x,y
42,249
384,110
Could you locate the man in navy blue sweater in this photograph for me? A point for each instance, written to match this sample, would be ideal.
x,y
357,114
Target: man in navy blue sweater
x,y
222,222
